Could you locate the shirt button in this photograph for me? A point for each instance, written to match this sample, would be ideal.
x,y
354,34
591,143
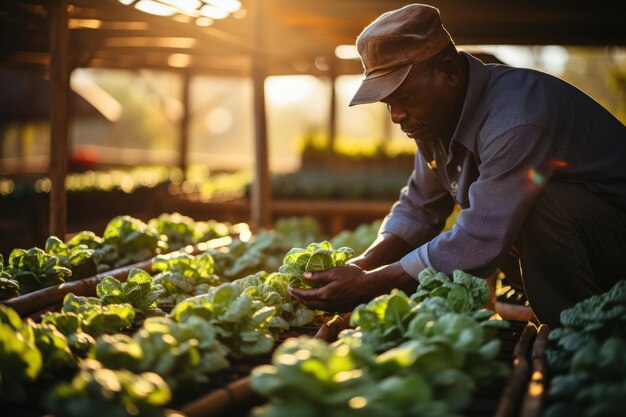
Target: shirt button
x,y
453,185
458,168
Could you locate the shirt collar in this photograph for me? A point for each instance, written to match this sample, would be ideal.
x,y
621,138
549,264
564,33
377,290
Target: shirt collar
x,y
469,122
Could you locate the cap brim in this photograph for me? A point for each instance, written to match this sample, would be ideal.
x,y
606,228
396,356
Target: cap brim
x,y
376,88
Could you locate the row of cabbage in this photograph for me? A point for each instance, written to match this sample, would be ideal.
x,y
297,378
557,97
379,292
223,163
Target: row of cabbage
x,y
120,354
404,356
586,357
126,240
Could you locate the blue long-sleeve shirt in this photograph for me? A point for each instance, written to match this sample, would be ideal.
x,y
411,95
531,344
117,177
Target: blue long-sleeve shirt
x,y
518,129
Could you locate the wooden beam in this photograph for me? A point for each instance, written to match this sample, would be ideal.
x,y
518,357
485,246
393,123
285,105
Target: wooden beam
x,y
59,103
261,187
184,125
112,10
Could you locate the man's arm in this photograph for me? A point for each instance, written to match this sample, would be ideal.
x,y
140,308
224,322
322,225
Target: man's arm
x,y
386,249
420,214
515,167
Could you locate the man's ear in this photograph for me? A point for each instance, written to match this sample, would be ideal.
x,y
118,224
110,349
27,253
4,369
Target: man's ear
x,y
449,68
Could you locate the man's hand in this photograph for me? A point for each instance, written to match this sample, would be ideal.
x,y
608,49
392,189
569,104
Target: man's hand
x,y
343,288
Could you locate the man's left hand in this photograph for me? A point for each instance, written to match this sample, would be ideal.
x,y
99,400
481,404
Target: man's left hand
x,y
343,288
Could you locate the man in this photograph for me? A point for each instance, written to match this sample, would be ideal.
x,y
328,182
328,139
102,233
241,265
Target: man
x,y
537,167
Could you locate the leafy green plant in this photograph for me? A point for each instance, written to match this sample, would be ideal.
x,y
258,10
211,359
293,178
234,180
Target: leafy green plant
x,y
242,325
264,252
316,257
35,269
140,291
463,292
272,290
77,258
20,359
127,240
9,287
183,230
97,391
58,358
586,357
183,354
182,275
87,314
180,230
383,322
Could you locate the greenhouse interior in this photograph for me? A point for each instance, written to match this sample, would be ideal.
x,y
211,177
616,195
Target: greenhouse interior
x,y
207,209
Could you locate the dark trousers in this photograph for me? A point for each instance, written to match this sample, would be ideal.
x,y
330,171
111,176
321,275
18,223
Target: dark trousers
x,y
572,246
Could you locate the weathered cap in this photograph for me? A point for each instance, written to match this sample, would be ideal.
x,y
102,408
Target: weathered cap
x,y
392,44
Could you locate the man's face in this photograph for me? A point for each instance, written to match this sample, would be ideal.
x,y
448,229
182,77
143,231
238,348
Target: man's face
x,y
424,105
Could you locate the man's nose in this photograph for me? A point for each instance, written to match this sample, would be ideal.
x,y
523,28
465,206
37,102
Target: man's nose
x,y
397,113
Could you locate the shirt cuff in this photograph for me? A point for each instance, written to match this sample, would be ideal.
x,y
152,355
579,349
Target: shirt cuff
x,y
409,230
416,261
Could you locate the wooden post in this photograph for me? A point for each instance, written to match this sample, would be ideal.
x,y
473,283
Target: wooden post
x,y
183,155
332,116
59,103
260,210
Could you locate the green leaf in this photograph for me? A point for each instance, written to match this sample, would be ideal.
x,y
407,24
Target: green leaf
x,y
320,260
110,291
291,270
9,288
462,278
80,305
459,299
480,292
342,255
87,238
67,323
490,350
117,351
440,292
261,317
20,359
325,245
139,276
223,295
238,310
54,246
297,256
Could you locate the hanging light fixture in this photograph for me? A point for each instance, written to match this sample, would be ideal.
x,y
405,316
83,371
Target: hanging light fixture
x,y
205,12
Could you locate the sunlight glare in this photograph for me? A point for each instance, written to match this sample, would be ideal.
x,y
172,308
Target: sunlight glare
x,y
155,8
286,90
213,12
228,6
219,120
186,6
346,52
